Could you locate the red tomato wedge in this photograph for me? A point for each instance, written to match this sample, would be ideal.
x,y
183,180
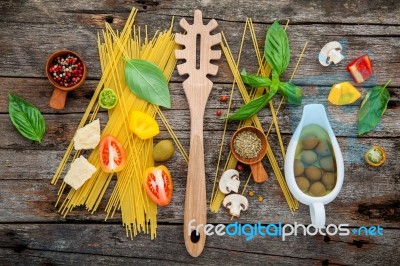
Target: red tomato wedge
x,y
112,155
360,69
157,182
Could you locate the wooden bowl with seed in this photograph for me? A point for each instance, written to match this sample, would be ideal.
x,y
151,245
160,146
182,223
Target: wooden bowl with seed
x,y
249,145
62,85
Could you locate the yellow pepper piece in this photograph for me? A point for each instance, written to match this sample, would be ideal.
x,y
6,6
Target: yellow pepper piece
x,y
343,93
143,125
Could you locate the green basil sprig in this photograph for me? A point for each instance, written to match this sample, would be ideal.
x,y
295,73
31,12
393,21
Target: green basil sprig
x,y
276,49
277,54
251,108
147,82
26,118
372,108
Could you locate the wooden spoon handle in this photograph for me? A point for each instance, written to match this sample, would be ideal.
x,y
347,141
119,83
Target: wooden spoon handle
x,y
57,100
259,173
195,215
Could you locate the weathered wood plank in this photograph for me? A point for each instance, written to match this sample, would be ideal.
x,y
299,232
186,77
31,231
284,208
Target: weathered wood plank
x,y
354,12
38,91
61,128
365,199
31,30
48,35
57,243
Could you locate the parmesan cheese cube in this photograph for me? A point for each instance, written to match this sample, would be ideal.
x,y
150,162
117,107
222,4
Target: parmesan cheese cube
x,y
87,137
80,171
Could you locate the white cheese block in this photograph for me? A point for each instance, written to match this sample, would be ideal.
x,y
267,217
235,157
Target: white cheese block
x,y
80,171
87,137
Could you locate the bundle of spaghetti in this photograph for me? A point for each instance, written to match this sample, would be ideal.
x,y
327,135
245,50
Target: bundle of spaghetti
x,y
139,214
231,162
93,105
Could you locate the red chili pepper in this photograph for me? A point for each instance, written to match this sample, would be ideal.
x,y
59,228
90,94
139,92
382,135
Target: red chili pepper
x,y
360,69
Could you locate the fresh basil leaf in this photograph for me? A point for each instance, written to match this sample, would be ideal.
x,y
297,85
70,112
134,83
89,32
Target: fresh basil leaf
x,y
26,118
255,81
291,92
372,109
251,108
273,88
275,76
147,82
276,49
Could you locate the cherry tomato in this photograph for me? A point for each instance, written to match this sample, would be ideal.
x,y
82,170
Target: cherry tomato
x,y
218,112
112,155
157,182
223,98
375,156
108,98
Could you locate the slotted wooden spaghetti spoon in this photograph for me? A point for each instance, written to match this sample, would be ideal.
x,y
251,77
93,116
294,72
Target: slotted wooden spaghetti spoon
x,y
197,88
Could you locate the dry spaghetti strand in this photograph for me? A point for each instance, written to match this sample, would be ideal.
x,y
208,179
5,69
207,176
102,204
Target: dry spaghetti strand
x,y
139,214
265,71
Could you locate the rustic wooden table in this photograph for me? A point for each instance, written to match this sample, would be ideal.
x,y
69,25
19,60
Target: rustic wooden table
x,y
31,230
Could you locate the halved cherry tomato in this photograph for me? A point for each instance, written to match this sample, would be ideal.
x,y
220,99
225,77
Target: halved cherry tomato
x,y
112,155
157,182
375,156
108,98
360,69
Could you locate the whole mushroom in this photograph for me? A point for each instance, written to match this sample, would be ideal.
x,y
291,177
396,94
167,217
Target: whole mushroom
x,y
330,53
236,203
229,181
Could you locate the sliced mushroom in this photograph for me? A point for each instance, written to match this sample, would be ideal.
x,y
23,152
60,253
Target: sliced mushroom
x,y
236,203
330,53
229,181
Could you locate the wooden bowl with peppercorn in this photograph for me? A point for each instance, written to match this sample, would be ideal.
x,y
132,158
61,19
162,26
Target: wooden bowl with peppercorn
x,y
248,145
66,71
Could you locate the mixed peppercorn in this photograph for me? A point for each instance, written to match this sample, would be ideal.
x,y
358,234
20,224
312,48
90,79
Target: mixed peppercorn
x,y
66,70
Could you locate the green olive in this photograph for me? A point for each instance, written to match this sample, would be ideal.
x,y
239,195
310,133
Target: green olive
x,y
309,157
313,173
327,163
309,142
298,168
323,148
163,151
329,180
303,183
317,189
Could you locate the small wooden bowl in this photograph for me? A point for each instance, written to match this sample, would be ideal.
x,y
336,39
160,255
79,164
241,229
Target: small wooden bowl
x,y
257,169
57,100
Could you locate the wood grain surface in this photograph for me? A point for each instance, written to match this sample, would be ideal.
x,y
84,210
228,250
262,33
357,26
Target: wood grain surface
x,y
31,230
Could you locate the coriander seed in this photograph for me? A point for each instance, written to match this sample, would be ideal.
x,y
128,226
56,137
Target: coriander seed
x,y
247,144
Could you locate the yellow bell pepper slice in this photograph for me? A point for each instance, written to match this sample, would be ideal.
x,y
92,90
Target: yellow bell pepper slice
x,y
343,93
143,125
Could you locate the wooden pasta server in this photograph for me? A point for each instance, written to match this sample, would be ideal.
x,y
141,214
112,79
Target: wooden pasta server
x,y
197,88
